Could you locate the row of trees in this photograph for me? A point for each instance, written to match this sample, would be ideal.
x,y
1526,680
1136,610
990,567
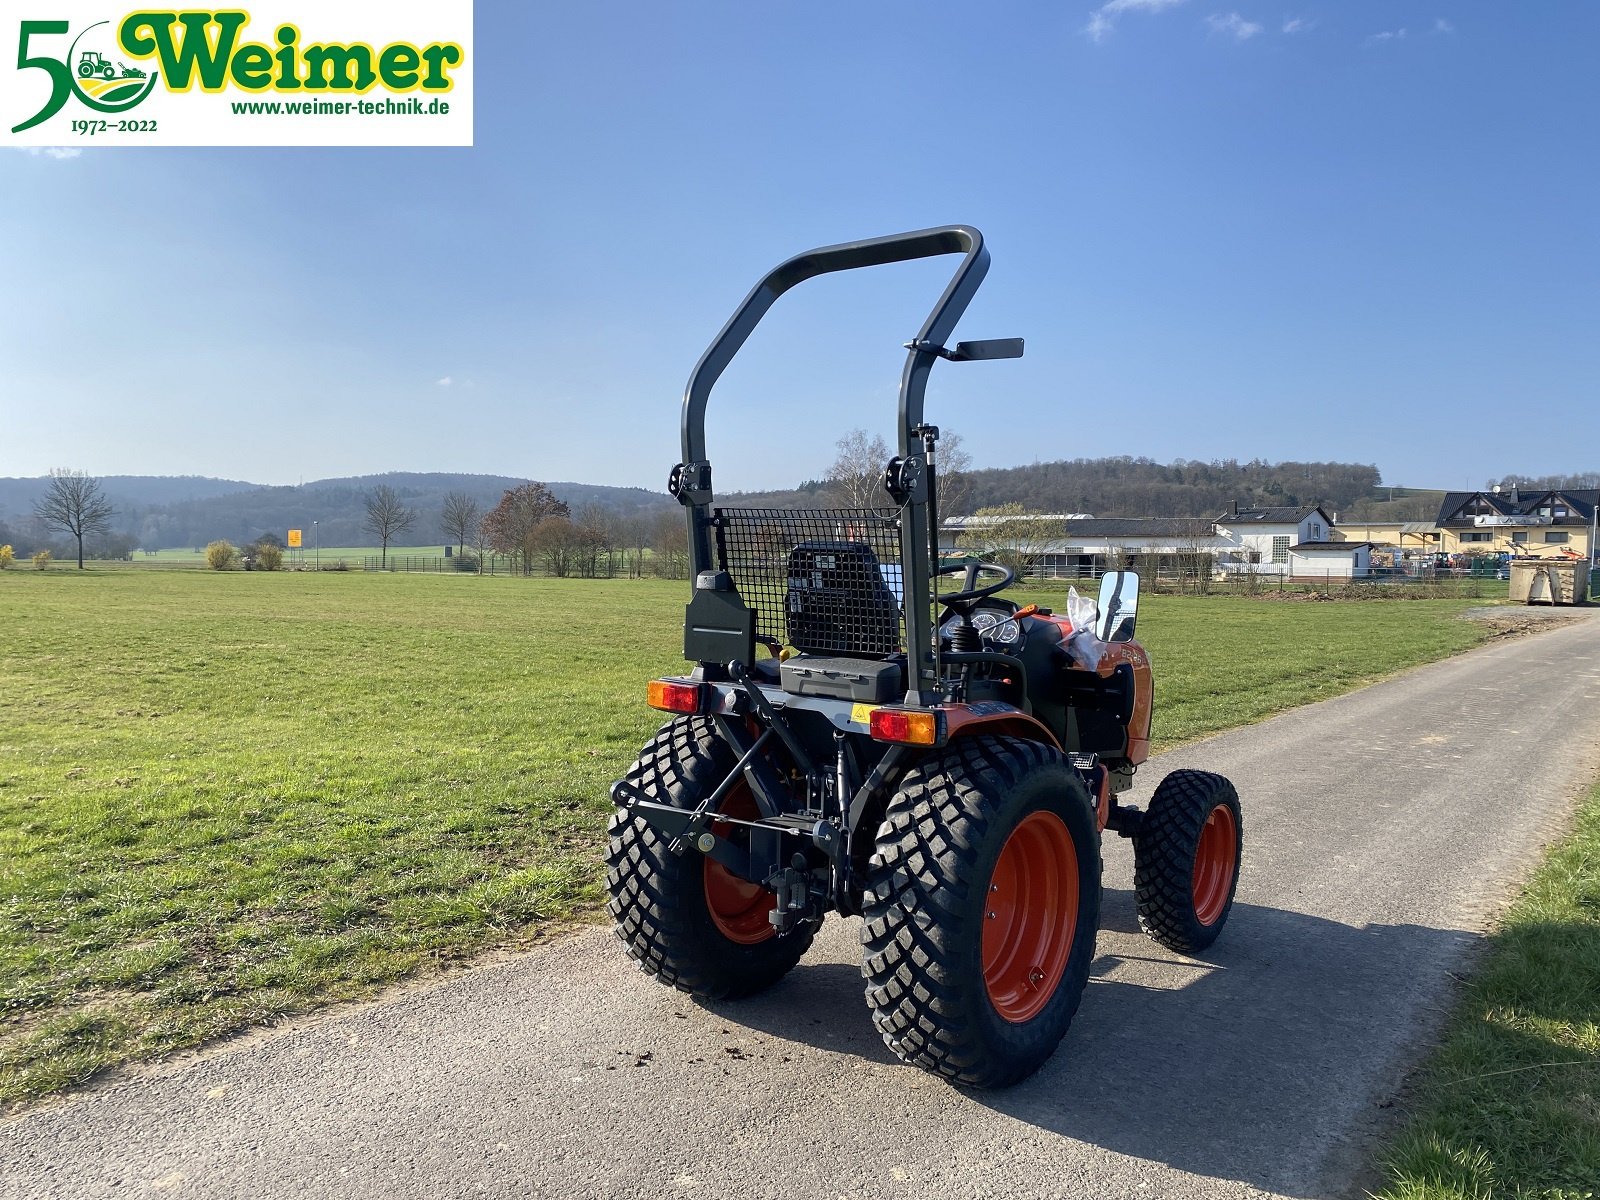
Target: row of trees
x,y
534,529
529,525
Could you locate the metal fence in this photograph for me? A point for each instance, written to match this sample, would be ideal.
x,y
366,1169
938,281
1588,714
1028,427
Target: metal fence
x,y
1427,583
457,564
614,566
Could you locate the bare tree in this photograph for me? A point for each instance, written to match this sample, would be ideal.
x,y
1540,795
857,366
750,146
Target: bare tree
x,y
857,473
387,517
951,485
459,518
74,504
597,528
670,541
636,538
482,540
1009,534
1196,558
560,544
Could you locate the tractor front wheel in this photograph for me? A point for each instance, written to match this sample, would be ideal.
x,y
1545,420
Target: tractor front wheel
x,y
686,919
1186,859
981,907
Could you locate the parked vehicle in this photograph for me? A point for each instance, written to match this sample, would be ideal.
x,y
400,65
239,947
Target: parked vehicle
x,y
943,765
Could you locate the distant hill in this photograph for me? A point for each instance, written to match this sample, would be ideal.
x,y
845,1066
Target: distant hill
x,y
18,496
159,512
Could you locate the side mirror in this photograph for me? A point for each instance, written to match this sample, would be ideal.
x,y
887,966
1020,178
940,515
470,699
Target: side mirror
x,y
1119,604
989,350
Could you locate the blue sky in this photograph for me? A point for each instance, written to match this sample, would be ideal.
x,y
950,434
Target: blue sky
x,y
1322,230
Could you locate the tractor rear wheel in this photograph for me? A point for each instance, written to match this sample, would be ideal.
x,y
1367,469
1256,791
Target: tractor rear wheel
x,y
982,905
1186,859
686,919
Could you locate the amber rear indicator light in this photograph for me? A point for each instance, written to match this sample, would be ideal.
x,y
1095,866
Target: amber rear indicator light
x,y
671,696
908,726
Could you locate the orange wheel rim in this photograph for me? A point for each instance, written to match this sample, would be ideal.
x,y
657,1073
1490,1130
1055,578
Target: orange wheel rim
x,y
1216,859
738,907
1030,916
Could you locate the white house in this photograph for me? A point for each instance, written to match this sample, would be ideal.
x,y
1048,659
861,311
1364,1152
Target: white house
x,y
1261,539
1315,562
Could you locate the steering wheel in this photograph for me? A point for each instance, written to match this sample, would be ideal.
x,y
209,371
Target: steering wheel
x,y
973,594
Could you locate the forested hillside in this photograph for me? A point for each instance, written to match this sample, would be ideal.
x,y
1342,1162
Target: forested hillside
x,y
1138,487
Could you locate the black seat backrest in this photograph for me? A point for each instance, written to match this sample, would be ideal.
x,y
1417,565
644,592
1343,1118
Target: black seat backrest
x,y
839,601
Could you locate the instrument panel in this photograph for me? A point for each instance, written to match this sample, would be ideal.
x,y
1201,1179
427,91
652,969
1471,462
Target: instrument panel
x,y
994,625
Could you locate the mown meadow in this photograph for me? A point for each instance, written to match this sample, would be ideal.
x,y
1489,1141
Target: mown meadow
x,y
229,797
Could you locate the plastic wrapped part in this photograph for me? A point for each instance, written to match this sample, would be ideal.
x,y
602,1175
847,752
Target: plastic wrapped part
x,y
1083,647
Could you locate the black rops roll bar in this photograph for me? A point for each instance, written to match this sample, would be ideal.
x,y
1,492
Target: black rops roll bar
x,y
691,479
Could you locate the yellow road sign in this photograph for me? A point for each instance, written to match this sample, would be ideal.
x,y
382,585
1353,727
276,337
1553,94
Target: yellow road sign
x,y
294,539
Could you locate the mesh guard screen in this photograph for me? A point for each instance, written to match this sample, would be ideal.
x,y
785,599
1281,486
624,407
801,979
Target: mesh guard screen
x,y
825,580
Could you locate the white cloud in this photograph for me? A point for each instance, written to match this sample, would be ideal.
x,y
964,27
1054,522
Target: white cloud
x,y
51,151
1103,20
1299,25
1233,25
1440,25
445,382
1388,35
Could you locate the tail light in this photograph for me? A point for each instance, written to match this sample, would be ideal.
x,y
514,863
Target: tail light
x,y
909,726
671,695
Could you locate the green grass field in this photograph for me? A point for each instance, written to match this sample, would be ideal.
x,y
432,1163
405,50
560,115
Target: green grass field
x,y
229,797
1510,1105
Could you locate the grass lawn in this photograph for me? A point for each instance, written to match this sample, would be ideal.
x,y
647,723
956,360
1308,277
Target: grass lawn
x,y
1510,1104
229,797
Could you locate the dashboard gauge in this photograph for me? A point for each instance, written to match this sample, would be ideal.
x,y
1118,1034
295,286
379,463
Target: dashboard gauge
x,y
995,628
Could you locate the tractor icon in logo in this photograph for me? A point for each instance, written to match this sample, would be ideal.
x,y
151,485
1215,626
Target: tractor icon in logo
x,y
103,83
94,63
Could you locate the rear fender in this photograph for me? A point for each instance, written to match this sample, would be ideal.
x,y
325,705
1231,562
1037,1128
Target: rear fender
x,y
968,720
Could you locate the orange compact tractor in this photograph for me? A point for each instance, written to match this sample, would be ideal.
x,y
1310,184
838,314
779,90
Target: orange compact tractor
x,y
853,740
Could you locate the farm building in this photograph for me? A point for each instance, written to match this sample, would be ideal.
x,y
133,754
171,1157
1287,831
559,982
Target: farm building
x,y
1071,545
1317,562
1261,539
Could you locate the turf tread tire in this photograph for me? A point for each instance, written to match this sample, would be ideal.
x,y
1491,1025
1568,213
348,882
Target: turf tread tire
x,y
1164,857
924,901
657,898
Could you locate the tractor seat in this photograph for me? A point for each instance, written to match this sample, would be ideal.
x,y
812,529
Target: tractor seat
x,y
838,603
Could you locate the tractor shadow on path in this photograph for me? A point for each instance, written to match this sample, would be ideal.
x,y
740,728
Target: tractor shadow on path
x,y
1271,1061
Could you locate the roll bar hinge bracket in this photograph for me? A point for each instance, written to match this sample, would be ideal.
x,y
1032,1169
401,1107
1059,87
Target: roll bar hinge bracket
x,y
690,483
